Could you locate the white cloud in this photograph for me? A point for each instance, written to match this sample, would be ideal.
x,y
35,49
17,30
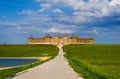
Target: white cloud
x,y
37,0
3,16
94,31
114,2
96,8
27,12
8,24
58,11
45,7
58,30
75,19
39,24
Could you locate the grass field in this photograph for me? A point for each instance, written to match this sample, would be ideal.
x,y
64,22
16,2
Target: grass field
x,y
25,51
95,61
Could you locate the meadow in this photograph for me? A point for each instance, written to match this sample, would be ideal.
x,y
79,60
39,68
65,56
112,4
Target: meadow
x,y
25,51
100,61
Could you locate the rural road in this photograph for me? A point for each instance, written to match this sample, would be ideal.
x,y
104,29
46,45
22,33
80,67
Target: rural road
x,y
58,68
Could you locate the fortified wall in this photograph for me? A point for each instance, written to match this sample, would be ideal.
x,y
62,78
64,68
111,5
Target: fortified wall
x,y
55,40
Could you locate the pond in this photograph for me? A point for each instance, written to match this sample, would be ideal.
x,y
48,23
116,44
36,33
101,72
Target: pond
x,y
8,62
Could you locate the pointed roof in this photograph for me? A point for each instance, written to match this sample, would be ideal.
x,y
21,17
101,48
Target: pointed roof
x,y
56,35
65,35
47,36
74,36
90,37
31,37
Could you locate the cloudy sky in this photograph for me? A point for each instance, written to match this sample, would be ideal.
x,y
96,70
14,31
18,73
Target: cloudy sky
x,y
21,18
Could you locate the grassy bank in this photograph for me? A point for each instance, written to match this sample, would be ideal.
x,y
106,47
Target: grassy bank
x,y
95,61
25,51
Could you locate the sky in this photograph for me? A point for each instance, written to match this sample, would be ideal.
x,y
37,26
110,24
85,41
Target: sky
x,y
97,18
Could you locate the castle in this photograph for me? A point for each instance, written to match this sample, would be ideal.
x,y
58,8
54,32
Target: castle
x,y
47,39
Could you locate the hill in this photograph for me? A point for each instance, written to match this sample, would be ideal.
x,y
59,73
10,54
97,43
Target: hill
x,y
95,61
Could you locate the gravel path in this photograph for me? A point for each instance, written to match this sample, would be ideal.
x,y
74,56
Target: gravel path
x,y
57,68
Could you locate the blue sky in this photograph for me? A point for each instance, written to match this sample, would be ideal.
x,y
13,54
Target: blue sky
x,y
21,18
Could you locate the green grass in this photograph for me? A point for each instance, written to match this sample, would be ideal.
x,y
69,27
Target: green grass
x,y
95,61
25,51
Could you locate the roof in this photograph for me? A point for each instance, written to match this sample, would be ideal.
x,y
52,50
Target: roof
x,y
74,36
31,37
56,35
47,36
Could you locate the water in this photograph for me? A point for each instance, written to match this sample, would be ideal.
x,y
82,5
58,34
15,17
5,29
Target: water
x,y
15,62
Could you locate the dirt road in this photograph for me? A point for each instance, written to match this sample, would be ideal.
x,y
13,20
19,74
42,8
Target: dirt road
x,y
58,68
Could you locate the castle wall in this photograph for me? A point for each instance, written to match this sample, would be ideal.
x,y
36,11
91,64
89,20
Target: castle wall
x,y
63,40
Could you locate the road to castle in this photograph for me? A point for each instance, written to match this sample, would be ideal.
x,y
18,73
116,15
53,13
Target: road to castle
x,y
57,68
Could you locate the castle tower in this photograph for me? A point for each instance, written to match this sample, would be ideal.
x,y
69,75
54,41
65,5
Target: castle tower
x,y
30,39
74,39
65,39
56,39
91,40
47,39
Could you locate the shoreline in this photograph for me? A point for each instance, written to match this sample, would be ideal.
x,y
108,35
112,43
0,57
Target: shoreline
x,y
21,57
38,58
